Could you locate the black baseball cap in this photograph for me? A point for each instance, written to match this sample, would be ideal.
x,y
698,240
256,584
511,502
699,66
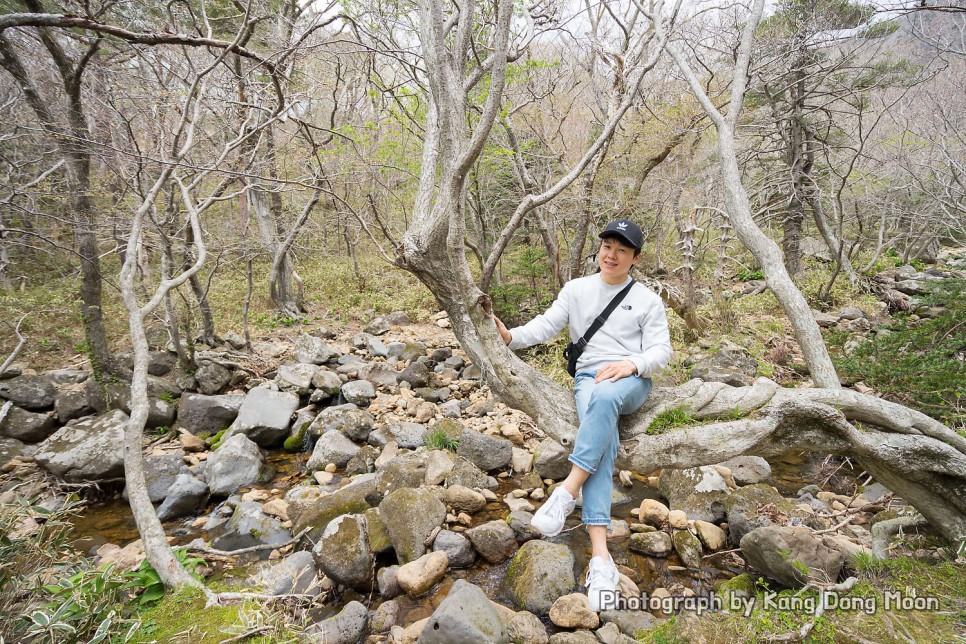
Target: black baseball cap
x,y
626,231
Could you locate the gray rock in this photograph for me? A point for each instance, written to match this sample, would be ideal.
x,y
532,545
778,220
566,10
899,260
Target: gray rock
x,y
748,470
248,527
264,416
451,409
296,378
412,351
550,460
912,287
467,474
406,470
745,509
296,575
363,462
399,318
35,393
358,392
312,350
481,408
377,326
88,450
343,553
486,452
688,547
630,622
519,522
575,637
729,366
472,372
416,374
652,544
466,616
380,374
526,628
778,552
25,426
67,376
408,435
540,572
851,313
310,508
201,414
388,580
494,540
410,516
345,628
160,472
237,462
698,491
385,617
10,448
327,383
332,447
72,401
458,548
186,496
355,423
376,348
212,378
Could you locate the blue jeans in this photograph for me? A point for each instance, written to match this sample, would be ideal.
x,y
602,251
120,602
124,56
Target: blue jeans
x,y
598,406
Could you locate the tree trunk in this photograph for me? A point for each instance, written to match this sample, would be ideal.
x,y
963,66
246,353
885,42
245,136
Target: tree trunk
x,y
913,455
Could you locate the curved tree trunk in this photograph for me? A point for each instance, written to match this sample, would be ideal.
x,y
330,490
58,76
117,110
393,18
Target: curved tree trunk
x,y
913,455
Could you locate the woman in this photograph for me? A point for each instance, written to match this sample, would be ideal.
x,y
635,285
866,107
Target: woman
x,y
613,378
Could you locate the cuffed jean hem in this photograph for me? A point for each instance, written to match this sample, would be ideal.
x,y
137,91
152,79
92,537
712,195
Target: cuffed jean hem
x,y
595,521
581,464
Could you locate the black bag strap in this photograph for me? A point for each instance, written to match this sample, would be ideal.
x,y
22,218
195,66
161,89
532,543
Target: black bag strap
x,y
600,319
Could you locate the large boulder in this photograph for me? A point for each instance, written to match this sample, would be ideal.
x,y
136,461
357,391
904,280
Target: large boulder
x,y
757,506
343,554
355,423
29,392
312,350
699,492
296,574
185,496
160,472
25,426
310,507
211,377
73,401
265,416
250,526
792,556
332,447
466,474
486,452
495,540
416,374
403,471
347,627
466,616
88,450
550,460
201,414
411,515
540,573
237,462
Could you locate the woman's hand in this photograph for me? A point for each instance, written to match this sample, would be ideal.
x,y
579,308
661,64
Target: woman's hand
x,y
502,329
616,370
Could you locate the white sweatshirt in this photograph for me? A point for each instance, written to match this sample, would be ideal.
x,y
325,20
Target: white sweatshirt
x,y
636,330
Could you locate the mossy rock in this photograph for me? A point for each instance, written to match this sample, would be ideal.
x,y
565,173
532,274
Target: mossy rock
x,y
379,540
316,513
450,427
539,573
760,505
742,586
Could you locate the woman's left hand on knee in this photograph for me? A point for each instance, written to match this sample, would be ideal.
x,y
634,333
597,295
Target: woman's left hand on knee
x,y
616,370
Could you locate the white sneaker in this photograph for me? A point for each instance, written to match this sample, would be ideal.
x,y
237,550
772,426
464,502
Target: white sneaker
x,y
602,581
549,519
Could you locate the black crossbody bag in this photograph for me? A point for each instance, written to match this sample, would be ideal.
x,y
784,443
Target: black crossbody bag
x,y
574,349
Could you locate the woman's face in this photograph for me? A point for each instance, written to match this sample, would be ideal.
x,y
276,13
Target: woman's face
x,y
615,260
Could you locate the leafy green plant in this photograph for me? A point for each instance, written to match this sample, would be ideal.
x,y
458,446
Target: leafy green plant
x,y
169,397
669,419
746,274
438,439
146,577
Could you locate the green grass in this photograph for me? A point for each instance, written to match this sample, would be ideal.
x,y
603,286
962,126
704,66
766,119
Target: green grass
x,y
438,439
671,419
920,365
